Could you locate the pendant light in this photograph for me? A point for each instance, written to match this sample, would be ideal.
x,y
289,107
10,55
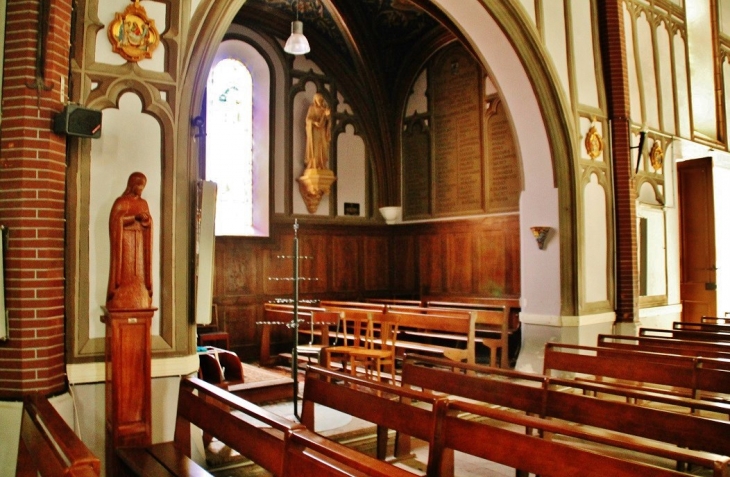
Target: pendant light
x,y
297,43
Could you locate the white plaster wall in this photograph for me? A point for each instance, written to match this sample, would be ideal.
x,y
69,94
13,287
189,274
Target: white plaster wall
x,y
351,172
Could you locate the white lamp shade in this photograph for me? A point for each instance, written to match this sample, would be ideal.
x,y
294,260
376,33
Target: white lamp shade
x,y
297,43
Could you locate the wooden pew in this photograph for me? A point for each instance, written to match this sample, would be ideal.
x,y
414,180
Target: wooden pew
x,y
209,408
282,447
687,325
373,402
685,334
707,349
395,301
441,332
528,453
311,455
48,446
687,376
447,333
547,398
493,327
715,319
370,401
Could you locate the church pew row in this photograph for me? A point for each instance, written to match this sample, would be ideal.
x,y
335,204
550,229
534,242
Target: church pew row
x,y
494,438
448,333
528,453
280,446
48,447
553,398
495,321
370,401
687,376
715,319
707,349
688,325
697,335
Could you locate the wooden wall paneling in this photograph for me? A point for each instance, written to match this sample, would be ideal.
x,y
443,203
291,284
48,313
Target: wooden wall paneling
x,y
242,328
404,265
345,263
317,247
490,259
237,269
459,262
376,263
431,264
512,266
274,266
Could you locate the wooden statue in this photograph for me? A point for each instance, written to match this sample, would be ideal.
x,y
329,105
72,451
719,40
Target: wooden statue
x,y
130,235
318,131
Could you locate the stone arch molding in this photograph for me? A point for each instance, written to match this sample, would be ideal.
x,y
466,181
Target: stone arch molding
x,y
500,35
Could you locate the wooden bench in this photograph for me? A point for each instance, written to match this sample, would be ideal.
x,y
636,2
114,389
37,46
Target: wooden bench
x,y
385,405
687,325
715,319
695,377
544,397
311,455
48,446
447,333
491,439
707,349
373,402
493,327
280,446
441,332
685,334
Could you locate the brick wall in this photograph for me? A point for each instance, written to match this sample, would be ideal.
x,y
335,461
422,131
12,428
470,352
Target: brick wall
x,y
613,51
32,199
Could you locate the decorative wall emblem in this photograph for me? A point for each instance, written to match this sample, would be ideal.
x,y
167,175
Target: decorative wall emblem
x,y
133,35
593,143
656,156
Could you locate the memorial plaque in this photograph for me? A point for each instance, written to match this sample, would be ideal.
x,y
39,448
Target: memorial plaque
x,y
416,171
457,129
504,178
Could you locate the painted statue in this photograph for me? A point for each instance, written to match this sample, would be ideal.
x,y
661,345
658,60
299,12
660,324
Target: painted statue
x,y
130,235
319,134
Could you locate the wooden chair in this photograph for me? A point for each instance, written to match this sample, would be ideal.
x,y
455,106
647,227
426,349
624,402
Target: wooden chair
x,y
379,352
354,332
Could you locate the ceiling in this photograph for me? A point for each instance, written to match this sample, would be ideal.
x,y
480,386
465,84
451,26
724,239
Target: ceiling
x,y
371,35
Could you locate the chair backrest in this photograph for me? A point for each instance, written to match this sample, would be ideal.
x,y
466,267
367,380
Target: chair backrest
x,y
387,331
356,328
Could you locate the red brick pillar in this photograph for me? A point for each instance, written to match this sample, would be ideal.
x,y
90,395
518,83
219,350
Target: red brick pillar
x,y
33,195
613,52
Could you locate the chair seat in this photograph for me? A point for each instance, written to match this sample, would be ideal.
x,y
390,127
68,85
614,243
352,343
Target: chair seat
x,y
372,350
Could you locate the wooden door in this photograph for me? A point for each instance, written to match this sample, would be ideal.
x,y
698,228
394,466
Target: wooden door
x,y
697,239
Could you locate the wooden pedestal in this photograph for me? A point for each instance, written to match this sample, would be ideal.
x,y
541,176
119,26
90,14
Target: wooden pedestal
x,y
128,381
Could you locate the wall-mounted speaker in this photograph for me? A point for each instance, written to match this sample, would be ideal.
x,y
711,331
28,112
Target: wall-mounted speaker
x,y
75,120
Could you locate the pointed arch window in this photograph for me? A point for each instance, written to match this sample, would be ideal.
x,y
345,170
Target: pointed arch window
x,y
237,142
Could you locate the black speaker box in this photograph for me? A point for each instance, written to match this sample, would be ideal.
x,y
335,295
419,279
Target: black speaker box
x,y
75,120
